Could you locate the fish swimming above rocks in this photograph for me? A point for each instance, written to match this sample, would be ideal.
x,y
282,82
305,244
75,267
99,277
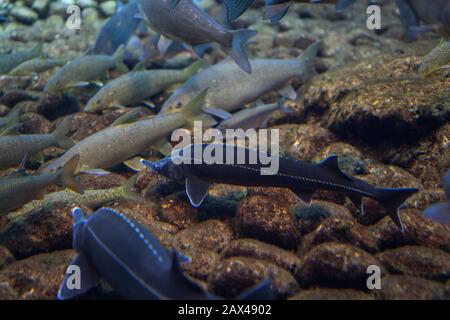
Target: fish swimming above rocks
x,y
424,15
133,262
90,198
437,59
36,65
440,212
191,25
20,188
229,88
10,120
83,70
275,9
9,61
118,29
244,166
13,148
136,86
122,140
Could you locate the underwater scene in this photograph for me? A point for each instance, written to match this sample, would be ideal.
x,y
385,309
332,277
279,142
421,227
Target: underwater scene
x,y
224,149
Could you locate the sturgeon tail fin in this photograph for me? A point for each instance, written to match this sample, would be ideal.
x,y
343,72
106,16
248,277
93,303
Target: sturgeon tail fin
x,y
238,53
392,198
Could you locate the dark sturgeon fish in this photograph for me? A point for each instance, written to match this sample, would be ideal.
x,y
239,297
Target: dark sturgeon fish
x,y
435,16
300,177
118,29
275,9
229,88
191,25
122,252
20,188
440,212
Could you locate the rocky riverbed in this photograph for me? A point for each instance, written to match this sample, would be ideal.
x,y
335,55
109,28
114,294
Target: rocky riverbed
x,y
368,105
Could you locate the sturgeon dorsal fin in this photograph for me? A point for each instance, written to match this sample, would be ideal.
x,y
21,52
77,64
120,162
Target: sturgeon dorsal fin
x,y
332,163
304,195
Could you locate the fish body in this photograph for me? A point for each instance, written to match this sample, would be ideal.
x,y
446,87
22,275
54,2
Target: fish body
x,y
440,212
13,148
84,69
190,24
118,143
118,29
90,198
437,59
125,254
300,177
275,9
11,119
422,15
9,61
20,188
137,86
229,88
35,65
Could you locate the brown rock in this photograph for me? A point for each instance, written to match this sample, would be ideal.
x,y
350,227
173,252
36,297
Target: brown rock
x,y
37,277
267,219
178,212
43,229
94,182
418,231
260,250
6,257
211,235
417,261
35,123
310,216
340,229
410,288
233,275
334,264
202,265
331,294
308,140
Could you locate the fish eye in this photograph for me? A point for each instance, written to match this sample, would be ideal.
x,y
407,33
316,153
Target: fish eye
x,y
178,105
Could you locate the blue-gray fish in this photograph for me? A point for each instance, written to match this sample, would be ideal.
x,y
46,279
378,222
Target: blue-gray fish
x,y
9,61
81,71
137,86
435,16
13,148
118,29
275,9
20,188
440,212
300,177
125,254
191,25
229,88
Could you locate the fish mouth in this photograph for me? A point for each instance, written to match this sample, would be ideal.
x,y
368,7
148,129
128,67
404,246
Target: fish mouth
x,y
151,165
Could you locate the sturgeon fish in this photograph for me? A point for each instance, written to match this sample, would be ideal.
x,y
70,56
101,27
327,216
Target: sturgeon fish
x,y
300,177
125,254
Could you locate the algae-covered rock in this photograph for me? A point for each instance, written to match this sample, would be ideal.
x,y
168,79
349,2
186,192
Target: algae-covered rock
x,y
396,287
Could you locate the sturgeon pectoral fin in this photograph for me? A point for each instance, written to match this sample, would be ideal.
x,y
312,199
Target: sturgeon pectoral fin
x,y
196,190
289,92
218,113
332,164
358,202
80,277
164,44
135,164
304,195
